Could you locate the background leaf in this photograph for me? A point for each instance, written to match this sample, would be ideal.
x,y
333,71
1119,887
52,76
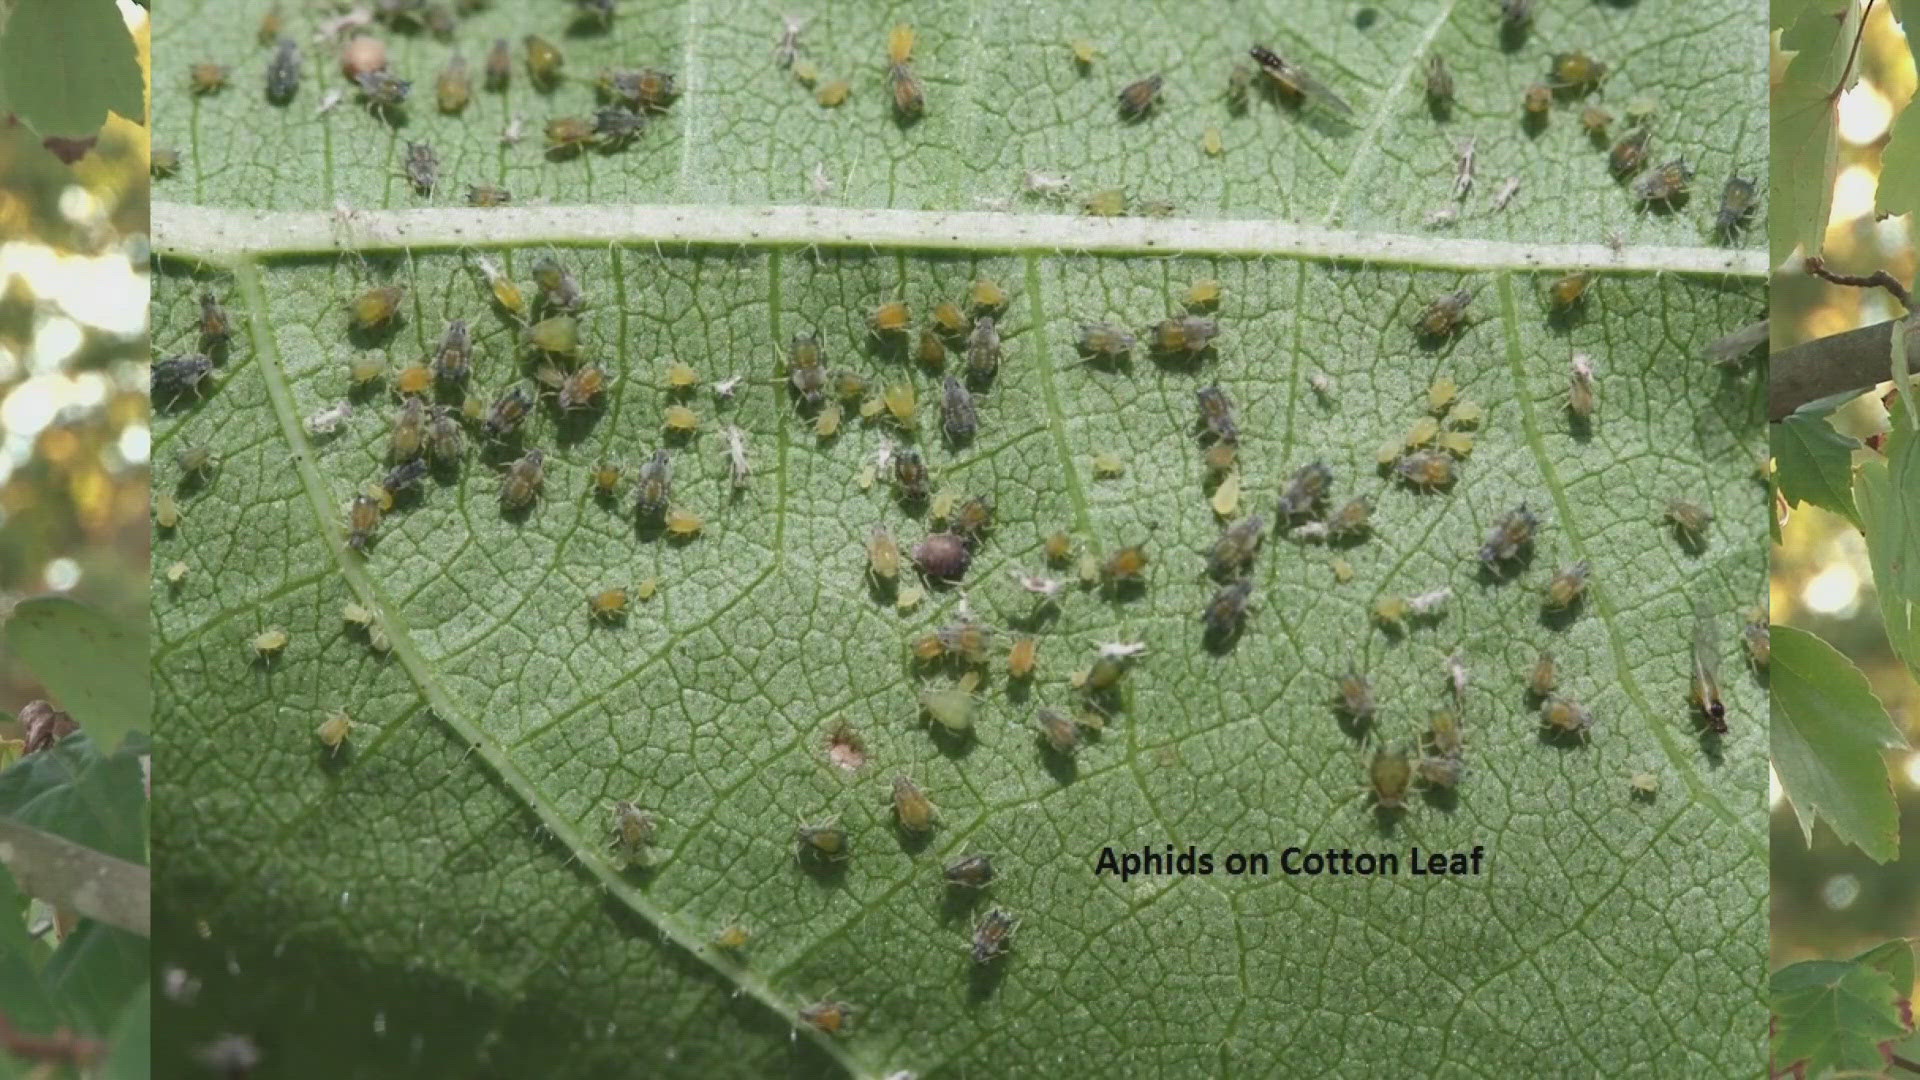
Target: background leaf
x,y
1804,138
69,646
74,791
1814,463
447,874
1833,1014
1883,493
1828,732
65,63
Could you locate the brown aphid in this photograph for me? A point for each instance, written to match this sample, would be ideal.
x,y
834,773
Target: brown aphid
x,y
973,518
942,557
1125,565
1567,586
216,326
521,485
1576,71
1439,82
930,351
993,935
508,410
1188,334
1236,548
1220,458
1629,155
1216,414
928,647
1567,717
581,387
1137,98
1567,291
1021,657
207,78
1445,316
909,97
911,807
376,308
1355,696
270,25
1509,536
647,90
1427,470
499,70
1689,519
1058,548
608,605
1058,731
683,524
1544,676
830,1017
408,437
804,370
1389,776
1307,490
983,350
453,87
363,520
891,317
633,830
1736,206
453,359
1537,99
910,475
567,134
544,61
822,844
413,380
969,872
1228,608
1666,184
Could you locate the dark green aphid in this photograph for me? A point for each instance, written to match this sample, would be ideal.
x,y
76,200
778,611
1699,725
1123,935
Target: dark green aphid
x,y
422,168
983,350
453,360
1237,546
1736,206
969,872
177,376
283,72
958,417
559,290
1228,608
1509,536
1306,490
1216,414
508,410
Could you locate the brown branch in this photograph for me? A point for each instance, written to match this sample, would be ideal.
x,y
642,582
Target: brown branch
x,y
1817,266
69,875
61,1047
1854,360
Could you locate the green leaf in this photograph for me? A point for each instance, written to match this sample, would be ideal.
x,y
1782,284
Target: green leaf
x,y
447,876
1833,1014
1804,137
73,791
84,656
1828,732
65,63
1814,463
97,971
1883,494
131,1057
22,997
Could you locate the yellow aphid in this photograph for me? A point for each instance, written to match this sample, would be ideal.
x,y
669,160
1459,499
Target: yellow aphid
x,y
357,615
1058,547
1083,51
1391,612
883,554
558,335
362,370
646,590
909,598
1226,497
1441,395
827,424
1022,657
927,647
948,318
806,72
1342,571
176,573
1467,414
902,404
1565,292
414,379
943,503
608,606
872,407
166,510
334,731
890,317
911,807
681,377
544,61
1457,443
900,44
683,522
505,292
1111,202
268,643
681,420
1422,431
376,307
1210,142
1388,453
833,94
1203,293
606,477
866,476
987,295
1089,569
1108,465
732,937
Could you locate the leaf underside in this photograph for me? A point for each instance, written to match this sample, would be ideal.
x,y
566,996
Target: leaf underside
x,y
446,876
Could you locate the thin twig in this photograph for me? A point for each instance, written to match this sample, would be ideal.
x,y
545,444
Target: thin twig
x,y
1817,266
1899,1062
1858,33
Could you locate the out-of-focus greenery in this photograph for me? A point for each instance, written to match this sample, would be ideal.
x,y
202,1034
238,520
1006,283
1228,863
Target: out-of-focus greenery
x,y
1829,900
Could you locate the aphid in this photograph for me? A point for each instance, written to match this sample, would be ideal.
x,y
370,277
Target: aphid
x,y
1644,786
973,518
382,91
176,572
1421,433
1295,80
1342,571
1567,586
334,731
969,872
1445,315
1566,717
1124,565
680,420
738,468
1439,82
967,640
683,524
1580,387
1058,731
376,307
804,370
1204,293
177,376
986,295
827,424
1391,612
1226,495
1665,184
270,25
883,554
993,935
567,134
1088,570
558,335
559,290
655,486
1509,536
681,377
831,1017
401,478
508,410
422,168
1543,676
1567,291
409,432
1689,520
1629,155
1216,414
606,477
283,72
617,126
1189,334
1108,202
1757,636
930,350
1736,206
361,54
1138,97
1427,470
453,87
1236,548
363,519
1021,657
544,61
950,706
1353,518
1228,608
608,605
902,403
1515,14
1211,143
163,161
453,360
890,318
268,643
1306,490
1444,736
413,380
505,292
1595,121
911,807
1389,776
958,417
909,598
522,483
948,319
910,475
1104,340
1537,99
909,99
942,556
207,78
633,830
1355,696
983,350
833,94
1576,71
166,511
1704,688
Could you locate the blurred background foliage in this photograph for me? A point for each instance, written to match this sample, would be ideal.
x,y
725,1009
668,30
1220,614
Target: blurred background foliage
x,y
1829,900
73,374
